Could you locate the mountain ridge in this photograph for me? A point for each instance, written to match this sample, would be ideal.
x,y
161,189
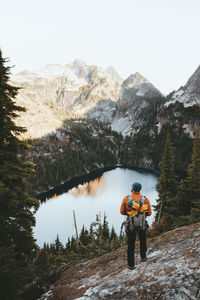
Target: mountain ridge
x,y
80,90
132,128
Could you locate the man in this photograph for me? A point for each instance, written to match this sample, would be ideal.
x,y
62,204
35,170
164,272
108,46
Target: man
x,y
144,207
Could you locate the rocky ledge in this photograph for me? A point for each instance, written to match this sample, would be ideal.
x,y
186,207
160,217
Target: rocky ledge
x,y
171,272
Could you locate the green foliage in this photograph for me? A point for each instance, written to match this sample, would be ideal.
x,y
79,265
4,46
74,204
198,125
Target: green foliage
x,y
189,189
167,184
193,181
58,245
83,145
53,259
17,245
178,203
105,229
85,238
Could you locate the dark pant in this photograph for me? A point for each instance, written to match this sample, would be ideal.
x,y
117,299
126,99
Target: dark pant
x,y
131,245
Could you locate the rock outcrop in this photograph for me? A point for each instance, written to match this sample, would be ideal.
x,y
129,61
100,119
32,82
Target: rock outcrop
x,y
172,272
76,90
58,92
138,102
189,94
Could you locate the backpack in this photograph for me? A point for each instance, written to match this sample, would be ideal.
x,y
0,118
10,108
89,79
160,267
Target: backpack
x,y
137,221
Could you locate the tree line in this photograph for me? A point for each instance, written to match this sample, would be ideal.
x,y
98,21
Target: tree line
x,y
83,147
17,207
52,259
178,201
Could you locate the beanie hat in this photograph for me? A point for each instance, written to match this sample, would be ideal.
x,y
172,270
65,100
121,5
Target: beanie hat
x,y
136,186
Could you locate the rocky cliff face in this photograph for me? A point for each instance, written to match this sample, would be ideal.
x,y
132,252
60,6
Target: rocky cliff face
x,y
77,90
57,92
172,272
189,94
138,102
182,107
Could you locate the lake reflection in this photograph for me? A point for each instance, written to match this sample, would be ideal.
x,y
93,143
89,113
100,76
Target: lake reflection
x,y
56,215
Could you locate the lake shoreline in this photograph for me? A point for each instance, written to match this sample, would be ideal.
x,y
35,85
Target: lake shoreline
x,y
94,174
100,197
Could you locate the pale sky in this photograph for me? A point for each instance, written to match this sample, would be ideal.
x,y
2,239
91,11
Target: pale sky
x,y
158,38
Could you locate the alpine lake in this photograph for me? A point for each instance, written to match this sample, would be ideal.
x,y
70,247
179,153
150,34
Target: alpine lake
x,y
101,196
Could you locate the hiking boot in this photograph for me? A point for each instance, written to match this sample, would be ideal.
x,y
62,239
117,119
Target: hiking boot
x,y
144,259
131,268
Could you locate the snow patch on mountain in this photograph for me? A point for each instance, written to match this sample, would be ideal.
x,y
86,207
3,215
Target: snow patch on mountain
x,y
122,125
189,95
184,97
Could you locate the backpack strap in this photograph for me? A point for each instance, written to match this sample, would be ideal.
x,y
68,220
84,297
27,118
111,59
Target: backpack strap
x,y
129,198
143,199
129,202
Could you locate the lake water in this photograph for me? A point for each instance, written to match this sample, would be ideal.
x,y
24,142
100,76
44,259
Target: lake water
x,y
56,215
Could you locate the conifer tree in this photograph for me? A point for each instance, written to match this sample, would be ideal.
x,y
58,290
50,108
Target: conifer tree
x,y
182,202
113,235
84,236
58,244
16,206
68,246
105,228
167,187
193,181
188,196
74,247
42,265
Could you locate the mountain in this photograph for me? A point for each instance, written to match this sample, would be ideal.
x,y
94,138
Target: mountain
x,y
82,117
171,272
77,90
57,92
138,102
182,107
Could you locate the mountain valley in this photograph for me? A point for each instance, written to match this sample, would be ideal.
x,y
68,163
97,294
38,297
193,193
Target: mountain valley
x,y
80,118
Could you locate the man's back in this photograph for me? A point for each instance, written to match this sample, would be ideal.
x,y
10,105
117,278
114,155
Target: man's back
x,y
137,208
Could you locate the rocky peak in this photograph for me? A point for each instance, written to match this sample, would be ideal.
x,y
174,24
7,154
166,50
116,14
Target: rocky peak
x,y
189,94
138,100
193,83
75,88
136,94
134,80
110,70
136,86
